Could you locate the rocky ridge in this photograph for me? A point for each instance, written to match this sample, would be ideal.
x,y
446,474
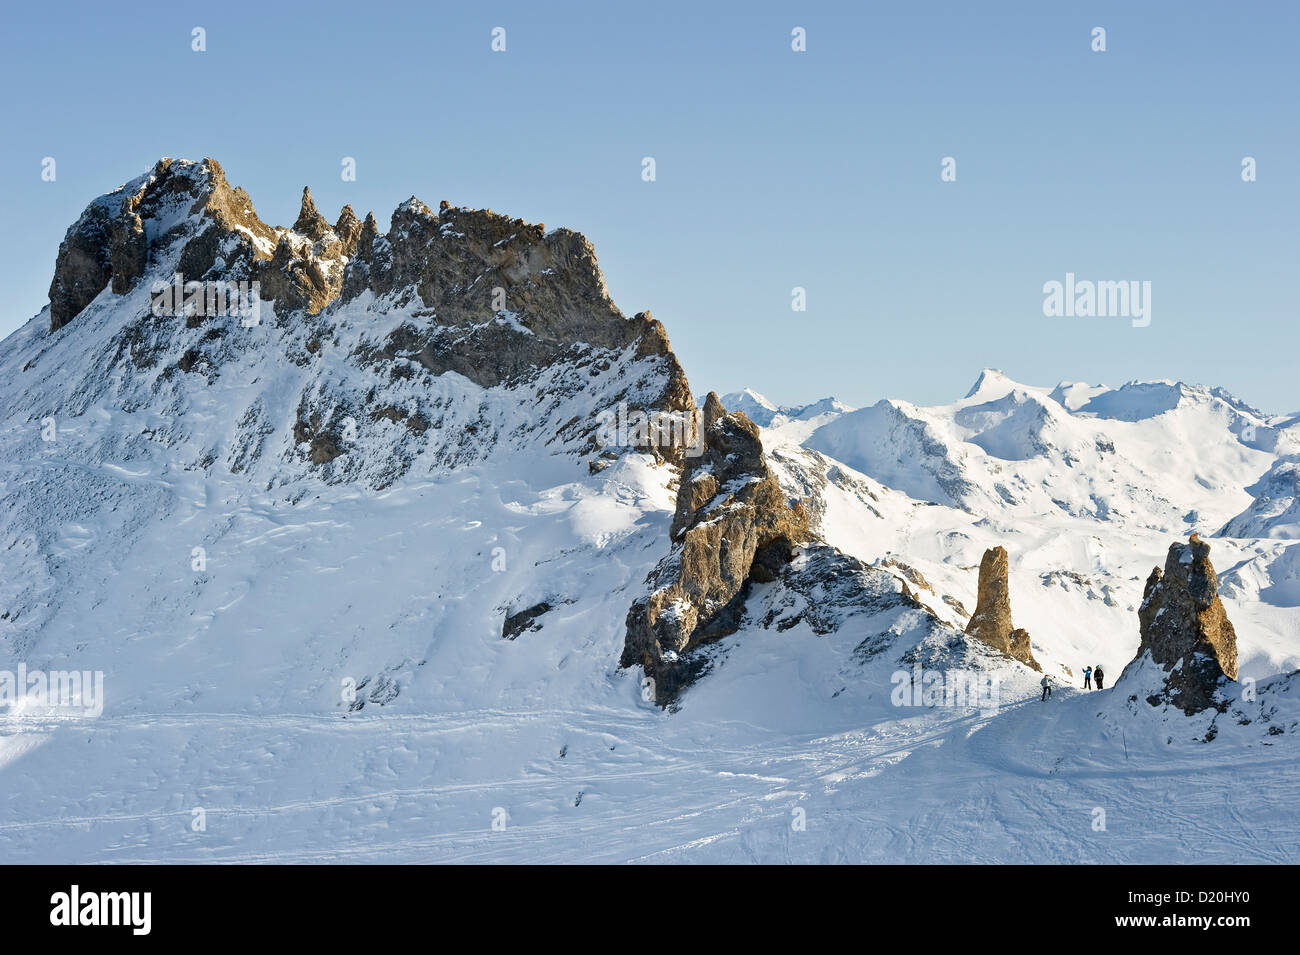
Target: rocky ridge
x,y
374,318
733,525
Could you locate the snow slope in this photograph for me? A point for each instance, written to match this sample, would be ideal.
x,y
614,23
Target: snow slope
x,y
306,661
224,694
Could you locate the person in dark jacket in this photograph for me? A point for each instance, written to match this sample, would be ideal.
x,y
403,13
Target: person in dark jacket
x,y
1087,678
1098,675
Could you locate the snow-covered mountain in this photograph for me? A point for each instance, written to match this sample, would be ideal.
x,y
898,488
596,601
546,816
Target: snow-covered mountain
x,y
405,570
765,414
1154,454
784,424
1086,499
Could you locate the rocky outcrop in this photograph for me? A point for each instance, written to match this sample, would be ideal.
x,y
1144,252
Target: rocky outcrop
x,y
1185,630
105,244
501,302
906,571
348,229
523,620
109,242
733,525
824,589
509,296
991,621
188,210
310,222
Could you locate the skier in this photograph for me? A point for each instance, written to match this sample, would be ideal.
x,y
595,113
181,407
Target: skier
x,y
1098,675
1087,678
1046,684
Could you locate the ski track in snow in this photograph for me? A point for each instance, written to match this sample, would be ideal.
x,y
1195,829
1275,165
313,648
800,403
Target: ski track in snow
x,y
667,791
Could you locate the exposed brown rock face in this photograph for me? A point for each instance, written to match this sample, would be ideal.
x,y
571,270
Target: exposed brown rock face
x,y
733,525
84,265
1019,639
466,266
497,300
480,273
991,621
310,222
1185,629
907,572
348,229
506,298
108,243
192,203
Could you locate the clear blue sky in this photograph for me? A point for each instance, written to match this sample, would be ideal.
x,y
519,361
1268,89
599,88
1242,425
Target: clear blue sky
x,y
775,169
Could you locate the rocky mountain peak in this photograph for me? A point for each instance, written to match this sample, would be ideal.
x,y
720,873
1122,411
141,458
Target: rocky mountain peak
x,y
348,229
119,234
713,411
462,263
310,222
498,301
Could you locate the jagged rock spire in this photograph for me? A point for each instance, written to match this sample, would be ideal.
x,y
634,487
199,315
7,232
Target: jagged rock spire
x,y
348,229
991,621
1185,629
310,222
369,231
